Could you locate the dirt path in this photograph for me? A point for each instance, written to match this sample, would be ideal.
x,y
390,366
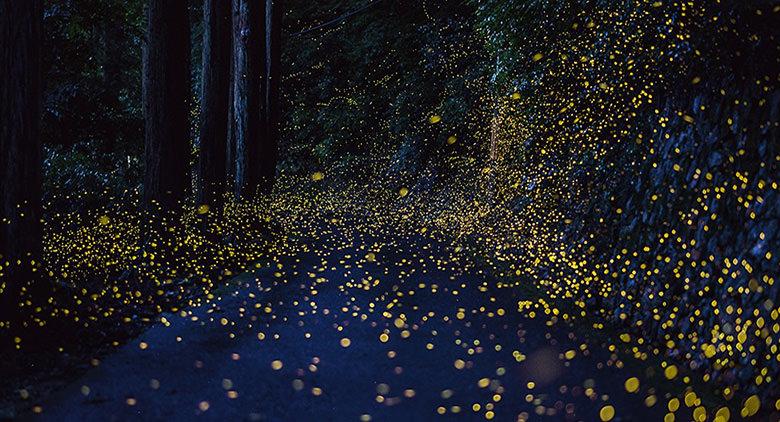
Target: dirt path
x,y
356,328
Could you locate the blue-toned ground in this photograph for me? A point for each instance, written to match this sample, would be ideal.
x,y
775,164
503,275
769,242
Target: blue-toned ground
x,y
407,331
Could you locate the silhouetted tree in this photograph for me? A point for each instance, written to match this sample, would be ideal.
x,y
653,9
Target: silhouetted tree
x,y
248,71
215,98
166,92
272,105
20,149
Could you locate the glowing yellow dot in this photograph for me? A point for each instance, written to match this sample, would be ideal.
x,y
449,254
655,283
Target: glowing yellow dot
x,y
752,404
632,384
651,400
607,413
709,350
670,372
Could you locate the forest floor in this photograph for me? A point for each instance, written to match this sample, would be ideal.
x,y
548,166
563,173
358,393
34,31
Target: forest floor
x,y
350,325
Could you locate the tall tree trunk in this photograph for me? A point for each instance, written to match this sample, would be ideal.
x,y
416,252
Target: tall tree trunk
x,y
21,178
249,50
113,51
166,92
230,162
215,97
272,105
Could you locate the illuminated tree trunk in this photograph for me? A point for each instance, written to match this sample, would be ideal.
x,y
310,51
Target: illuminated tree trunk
x,y
20,151
249,68
166,92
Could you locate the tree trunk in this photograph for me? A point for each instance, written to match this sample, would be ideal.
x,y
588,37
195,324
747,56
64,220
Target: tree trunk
x,y
230,162
214,101
113,51
21,178
166,92
272,106
249,50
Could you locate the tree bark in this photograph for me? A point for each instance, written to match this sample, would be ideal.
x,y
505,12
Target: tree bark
x,y
166,93
215,98
112,50
230,162
272,106
249,50
21,152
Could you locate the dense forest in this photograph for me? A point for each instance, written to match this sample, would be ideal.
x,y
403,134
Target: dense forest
x,y
601,173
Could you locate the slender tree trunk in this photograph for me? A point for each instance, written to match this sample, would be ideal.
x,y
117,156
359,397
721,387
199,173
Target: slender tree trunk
x,y
166,92
215,95
249,47
272,106
112,72
20,152
230,162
